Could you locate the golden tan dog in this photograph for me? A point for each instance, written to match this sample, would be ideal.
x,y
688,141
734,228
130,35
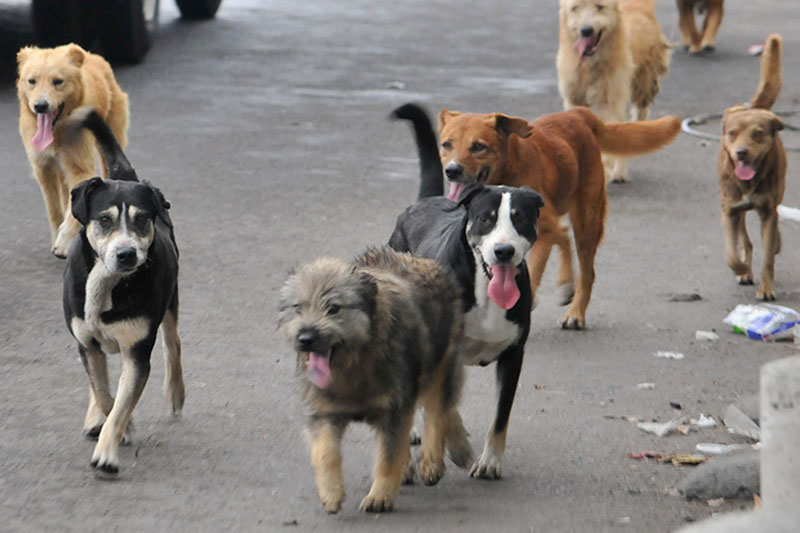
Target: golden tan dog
x,y
558,155
752,174
611,54
693,40
52,83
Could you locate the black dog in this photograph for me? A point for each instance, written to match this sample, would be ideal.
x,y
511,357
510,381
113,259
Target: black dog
x,y
484,238
120,284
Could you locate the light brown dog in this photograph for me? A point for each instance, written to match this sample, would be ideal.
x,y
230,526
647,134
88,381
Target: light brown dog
x,y
559,156
611,54
52,83
752,174
693,40
374,337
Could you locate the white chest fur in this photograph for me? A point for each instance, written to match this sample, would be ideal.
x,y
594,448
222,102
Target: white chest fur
x,y
486,331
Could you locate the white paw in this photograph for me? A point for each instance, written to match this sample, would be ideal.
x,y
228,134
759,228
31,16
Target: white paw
x,y
63,241
106,460
489,466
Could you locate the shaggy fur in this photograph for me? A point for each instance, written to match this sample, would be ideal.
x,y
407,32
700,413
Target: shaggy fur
x,y
52,83
752,174
558,155
374,337
610,57
693,40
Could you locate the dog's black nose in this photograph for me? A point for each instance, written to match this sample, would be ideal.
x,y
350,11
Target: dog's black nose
x,y
741,153
453,171
504,252
41,106
587,31
306,340
126,257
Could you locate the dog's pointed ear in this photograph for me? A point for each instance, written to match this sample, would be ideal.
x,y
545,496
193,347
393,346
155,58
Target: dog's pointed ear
x,y
446,115
24,53
80,196
508,125
75,54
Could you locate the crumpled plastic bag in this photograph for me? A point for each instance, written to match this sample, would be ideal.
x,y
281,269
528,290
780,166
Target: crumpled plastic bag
x,y
763,321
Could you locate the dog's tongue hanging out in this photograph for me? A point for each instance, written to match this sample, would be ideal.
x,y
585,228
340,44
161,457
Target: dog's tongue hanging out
x,y
584,44
44,133
455,190
744,171
319,370
503,288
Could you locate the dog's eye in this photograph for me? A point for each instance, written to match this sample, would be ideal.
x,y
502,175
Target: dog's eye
x,y
758,136
105,222
574,9
31,81
600,7
732,134
447,145
140,222
477,147
333,309
57,82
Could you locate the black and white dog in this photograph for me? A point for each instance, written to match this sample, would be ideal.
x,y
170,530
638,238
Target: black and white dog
x,y
484,238
120,284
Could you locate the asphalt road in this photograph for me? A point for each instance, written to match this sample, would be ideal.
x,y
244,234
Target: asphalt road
x,y
266,129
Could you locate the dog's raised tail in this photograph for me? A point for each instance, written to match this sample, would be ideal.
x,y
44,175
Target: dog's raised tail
x,y
119,168
628,139
769,86
430,166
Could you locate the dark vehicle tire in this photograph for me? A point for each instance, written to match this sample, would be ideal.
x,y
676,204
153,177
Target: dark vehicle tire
x,y
198,9
124,30
57,22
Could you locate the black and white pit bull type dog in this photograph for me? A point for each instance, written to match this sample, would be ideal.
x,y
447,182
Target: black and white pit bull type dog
x,y
120,285
484,238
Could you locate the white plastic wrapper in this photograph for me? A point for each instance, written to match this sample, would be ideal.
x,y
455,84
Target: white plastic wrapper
x,y
763,321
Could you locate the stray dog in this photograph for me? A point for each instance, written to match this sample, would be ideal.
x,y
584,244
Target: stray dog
x,y
373,338
484,238
610,56
693,40
120,284
52,83
752,174
558,155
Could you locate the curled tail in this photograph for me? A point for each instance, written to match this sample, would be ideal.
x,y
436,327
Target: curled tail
x,y
632,138
769,86
119,168
430,166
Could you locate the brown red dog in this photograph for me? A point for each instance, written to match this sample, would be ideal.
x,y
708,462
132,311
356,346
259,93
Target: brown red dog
x,y
558,155
752,174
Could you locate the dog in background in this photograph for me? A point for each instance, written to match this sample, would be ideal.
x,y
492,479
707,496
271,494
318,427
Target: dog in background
x,y
52,83
611,55
752,174
120,285
375,337
558,155
694,41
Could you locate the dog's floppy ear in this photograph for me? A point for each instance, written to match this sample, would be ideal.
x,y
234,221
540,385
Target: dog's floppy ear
x,y
24,53
80,195
469,193
368,290
777,124
534,196
508,125
446,115
161,204
75,54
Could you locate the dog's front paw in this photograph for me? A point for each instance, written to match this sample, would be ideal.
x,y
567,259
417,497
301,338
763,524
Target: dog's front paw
x,y
379,503
487,467
766,295
332,503
572,322
409,476
745,279
619,178
105,461
430,470
414,438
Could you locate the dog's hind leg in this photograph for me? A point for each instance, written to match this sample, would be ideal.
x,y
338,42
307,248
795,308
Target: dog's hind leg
x,y
490,463
174,391
135,370
690,37
711,25
393,456
326,459
537,259
565,279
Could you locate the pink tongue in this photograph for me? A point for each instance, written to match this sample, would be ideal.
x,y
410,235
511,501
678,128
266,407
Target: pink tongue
x,y
44,135
582,44
455,190
503,288
744,171
319,370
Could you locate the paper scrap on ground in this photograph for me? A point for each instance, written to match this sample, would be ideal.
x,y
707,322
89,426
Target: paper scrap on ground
x,y
739,423
668,355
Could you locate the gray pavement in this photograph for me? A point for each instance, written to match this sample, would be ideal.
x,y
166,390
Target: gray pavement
x,y
266,129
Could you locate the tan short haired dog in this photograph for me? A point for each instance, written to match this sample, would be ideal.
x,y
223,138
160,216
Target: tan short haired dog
x,y
611,55
699,41
374,337
52,83
752,174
